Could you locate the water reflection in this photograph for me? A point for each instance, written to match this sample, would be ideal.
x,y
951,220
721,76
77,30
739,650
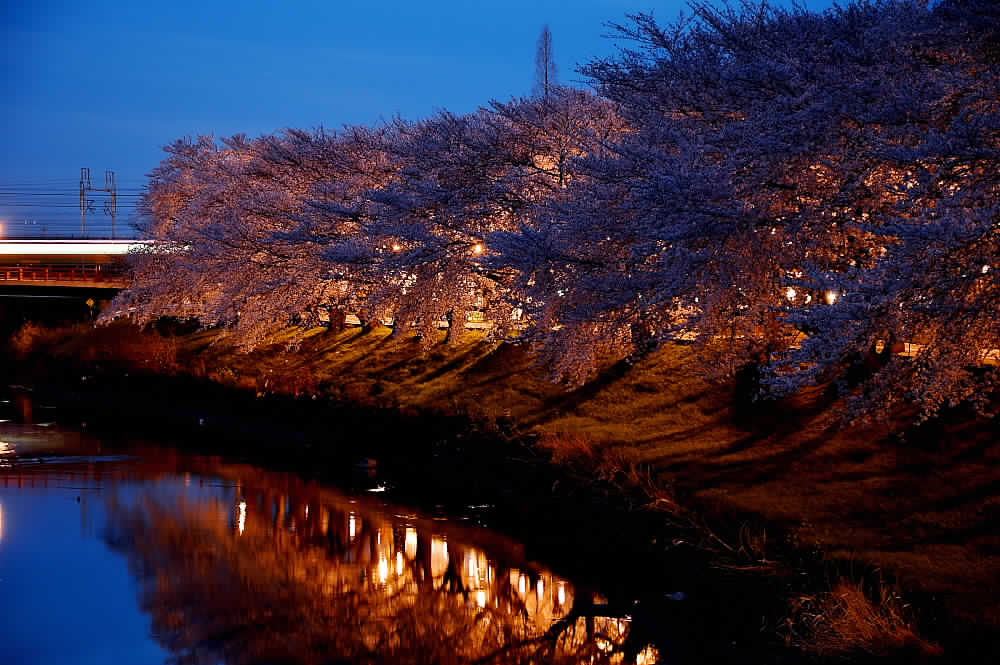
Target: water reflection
x,y
307,575
6,454
238,565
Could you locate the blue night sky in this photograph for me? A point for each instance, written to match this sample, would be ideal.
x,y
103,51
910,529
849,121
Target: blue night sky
x,y
106,83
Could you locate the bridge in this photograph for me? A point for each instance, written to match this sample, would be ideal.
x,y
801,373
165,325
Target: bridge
x,y
73,264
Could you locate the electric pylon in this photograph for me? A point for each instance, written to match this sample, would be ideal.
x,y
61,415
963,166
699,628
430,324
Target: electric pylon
x,y
110,207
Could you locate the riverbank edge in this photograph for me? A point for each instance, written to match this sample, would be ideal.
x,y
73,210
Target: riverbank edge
x,y
732,540
217,420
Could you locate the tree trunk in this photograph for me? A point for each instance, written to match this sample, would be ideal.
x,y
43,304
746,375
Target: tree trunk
x,y
450,335
338,320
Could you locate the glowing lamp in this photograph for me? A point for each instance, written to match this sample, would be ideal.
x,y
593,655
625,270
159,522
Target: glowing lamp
x,y
831,297
477,248
790,293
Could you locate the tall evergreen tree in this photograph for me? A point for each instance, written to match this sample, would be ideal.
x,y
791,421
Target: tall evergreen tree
x,y
546,76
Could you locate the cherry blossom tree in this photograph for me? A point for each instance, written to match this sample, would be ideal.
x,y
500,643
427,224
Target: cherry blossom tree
x,y
805,174
461,179
172,276
931,292
420,233
794,192
241,251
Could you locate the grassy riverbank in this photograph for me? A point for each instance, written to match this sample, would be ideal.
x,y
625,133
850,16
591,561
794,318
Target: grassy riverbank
x,y
773,482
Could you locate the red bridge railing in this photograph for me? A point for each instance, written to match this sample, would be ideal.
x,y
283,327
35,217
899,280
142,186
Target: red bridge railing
x,y
63,272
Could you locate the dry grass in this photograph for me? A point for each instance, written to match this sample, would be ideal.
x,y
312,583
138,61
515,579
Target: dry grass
x,y
621,466
570,449
28,337
851,625
104,346
753,543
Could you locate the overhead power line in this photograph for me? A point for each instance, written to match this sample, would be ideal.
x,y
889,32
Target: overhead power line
x,y
66,193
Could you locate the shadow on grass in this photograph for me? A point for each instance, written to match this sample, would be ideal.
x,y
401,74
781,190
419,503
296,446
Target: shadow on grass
x,y
452,365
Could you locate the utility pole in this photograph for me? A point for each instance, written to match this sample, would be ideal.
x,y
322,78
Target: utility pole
x,y
110,207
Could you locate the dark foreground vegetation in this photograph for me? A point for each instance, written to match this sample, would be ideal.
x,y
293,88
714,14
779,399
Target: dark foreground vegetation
x,y
873,542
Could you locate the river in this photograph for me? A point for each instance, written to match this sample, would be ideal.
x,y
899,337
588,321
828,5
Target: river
x,y
117,550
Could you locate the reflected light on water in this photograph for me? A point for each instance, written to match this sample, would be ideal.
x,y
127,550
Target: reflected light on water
x,y
242,517
353,578
472,564
439,556
410,545
648,656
